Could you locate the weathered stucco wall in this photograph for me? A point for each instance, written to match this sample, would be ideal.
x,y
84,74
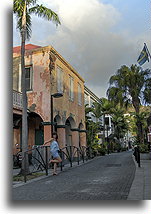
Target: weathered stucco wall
x,y
64,106
39,97
44,83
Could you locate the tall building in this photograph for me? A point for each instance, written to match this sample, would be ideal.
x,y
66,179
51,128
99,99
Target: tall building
x,y
48,74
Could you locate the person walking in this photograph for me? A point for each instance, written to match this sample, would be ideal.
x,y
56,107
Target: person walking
x,y
54,149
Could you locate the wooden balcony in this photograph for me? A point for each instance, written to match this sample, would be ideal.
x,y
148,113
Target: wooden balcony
x,y
17,99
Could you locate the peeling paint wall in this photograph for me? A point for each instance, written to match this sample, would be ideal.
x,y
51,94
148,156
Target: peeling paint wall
x,y
64,106
39,97
44,83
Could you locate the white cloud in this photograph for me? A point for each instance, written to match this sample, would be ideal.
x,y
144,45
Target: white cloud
x,y
87,39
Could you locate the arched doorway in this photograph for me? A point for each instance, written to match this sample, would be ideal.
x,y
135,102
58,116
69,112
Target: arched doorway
x,y
70,124
81,126
57,121
35,129
59,128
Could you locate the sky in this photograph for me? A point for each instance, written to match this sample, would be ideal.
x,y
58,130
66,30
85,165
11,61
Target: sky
x,y
126,35
96,37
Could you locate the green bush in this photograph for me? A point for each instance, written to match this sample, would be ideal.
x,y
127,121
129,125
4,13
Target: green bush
x,y
117,147
102,151
98,149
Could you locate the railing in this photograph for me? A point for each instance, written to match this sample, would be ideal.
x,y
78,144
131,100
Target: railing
x,y
17,99
38,158
70,154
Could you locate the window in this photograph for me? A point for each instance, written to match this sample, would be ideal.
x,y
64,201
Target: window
x,y
71,94
28,77
59,80
79,94
86,99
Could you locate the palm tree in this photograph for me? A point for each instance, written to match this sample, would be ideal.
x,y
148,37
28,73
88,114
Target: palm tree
x,y
91,127
120,122
126,87
96,110
141,118
147,91
23,9
105,108
87,111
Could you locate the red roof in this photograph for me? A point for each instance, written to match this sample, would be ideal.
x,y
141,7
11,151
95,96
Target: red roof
x,y
27,47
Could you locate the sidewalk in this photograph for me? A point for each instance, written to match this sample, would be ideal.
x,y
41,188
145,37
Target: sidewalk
x,y
141,186
50,172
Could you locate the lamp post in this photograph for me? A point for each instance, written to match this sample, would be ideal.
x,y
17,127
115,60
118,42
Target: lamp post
x,y
56,95
108,143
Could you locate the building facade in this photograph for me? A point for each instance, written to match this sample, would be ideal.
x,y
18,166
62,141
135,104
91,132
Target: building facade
x,y
47,74
89,99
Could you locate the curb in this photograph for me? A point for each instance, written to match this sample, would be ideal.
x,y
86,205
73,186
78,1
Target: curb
x,y
137,188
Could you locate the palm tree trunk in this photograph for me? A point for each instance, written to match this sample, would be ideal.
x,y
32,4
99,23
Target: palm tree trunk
x,y
140,134
24,169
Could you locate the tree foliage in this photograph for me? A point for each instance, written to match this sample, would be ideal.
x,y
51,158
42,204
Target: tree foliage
x,y
32,8
120,122
91,127
127,87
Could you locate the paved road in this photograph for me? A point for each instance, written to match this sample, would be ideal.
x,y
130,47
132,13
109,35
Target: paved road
x,y
104,178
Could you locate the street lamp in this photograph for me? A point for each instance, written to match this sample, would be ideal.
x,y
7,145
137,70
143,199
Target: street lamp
x,y
56,95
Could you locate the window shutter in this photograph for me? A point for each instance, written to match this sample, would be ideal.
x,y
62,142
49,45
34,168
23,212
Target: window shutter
x,y
72,89
71,93
79,94
59,80
28,78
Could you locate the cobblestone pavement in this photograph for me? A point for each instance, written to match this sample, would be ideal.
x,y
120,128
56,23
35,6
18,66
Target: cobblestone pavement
x,y
104,178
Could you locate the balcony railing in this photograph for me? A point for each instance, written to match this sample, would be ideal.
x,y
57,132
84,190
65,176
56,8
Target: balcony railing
x,y
17,99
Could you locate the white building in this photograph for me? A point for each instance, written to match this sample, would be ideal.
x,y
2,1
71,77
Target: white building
x,y
109,128
90,98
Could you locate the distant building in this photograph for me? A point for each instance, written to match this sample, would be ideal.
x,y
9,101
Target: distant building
x,y
89,99
109,128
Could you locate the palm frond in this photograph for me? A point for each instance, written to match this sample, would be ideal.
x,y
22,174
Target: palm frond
x,y
18,7
30,3
45,12
28,25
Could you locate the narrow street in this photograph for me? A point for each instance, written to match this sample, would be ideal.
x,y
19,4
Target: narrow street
x,y
104,178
